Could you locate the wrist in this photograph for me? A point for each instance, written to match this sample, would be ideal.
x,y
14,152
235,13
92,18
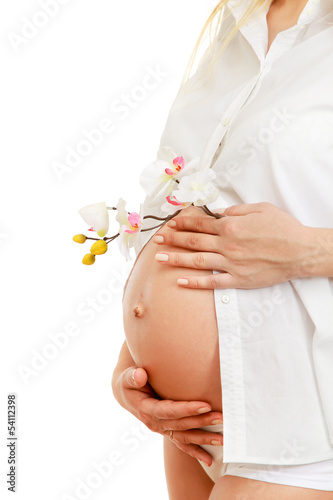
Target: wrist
x,y
317,258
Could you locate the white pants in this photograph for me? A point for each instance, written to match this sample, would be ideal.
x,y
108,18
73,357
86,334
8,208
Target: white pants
x,y
318,475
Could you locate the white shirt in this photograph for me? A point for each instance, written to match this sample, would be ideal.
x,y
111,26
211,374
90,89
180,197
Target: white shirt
x,y
272,116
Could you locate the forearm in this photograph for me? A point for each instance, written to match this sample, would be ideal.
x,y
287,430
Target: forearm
x,y
318,262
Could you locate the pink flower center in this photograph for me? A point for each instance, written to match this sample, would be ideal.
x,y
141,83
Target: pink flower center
x,y
135,222
179,164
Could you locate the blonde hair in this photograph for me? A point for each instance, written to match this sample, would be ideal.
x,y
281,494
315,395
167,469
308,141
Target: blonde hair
x,y
254,9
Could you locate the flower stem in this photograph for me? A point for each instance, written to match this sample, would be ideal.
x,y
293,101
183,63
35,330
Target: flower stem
x,y
154,227
111,238
208,212
165,220
153,217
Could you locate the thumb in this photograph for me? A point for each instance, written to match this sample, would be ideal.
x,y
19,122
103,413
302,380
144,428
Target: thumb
x,y
136,377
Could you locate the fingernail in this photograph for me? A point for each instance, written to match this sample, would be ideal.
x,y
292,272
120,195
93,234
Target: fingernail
x,y
158,239
217,422
171,223
204,463
216,443
133,378
182,281
203,410
162,257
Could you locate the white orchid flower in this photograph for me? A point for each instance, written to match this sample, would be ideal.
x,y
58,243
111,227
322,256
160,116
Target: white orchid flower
x,y
97,216
130,225
196,188
158,178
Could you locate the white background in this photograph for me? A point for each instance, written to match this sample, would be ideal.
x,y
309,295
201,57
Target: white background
x,y
59,80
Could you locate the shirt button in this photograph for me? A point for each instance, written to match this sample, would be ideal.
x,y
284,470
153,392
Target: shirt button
x,y
225,299
226,122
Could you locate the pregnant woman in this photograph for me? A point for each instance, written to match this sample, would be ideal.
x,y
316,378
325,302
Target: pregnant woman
x,y
230,320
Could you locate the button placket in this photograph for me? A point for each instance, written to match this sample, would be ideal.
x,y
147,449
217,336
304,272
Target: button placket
x,y
225,298
223,126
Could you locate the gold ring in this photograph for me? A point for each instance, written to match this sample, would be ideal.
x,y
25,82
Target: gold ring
x,y
171,432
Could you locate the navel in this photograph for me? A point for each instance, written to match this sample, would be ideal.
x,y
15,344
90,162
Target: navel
x,y
139,310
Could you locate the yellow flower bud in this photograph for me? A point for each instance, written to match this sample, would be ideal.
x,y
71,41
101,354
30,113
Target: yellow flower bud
x,y
79,238
99,247
88,259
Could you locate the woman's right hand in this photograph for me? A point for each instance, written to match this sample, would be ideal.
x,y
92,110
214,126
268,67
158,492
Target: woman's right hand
x,y
133,392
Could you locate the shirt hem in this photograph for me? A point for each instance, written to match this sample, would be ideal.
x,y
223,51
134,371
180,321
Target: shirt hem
x,y
260,460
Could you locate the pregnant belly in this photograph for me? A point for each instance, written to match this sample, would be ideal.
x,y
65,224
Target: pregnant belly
x,y
172,331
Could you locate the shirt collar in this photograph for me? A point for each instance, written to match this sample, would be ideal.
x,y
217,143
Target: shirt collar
x,y
312,10
237,8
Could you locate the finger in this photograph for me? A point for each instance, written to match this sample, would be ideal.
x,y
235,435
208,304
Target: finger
x,y
135,378
192,241
197,260
246,208
209,281
192,422
197,436
175,410
200,224
195,452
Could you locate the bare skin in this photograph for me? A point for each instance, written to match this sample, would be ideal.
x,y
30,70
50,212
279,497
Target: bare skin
x,y
192,482
174,340
134,393
282,15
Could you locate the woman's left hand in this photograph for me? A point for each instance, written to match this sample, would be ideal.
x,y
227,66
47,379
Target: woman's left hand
x,y
255,245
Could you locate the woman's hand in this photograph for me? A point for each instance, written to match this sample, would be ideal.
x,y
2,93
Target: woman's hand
x,y
182,417
255,245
